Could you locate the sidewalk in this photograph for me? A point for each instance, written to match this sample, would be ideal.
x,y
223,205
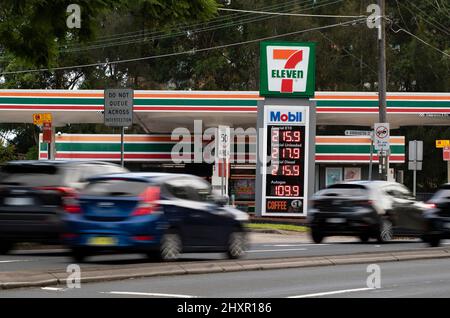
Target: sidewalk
x,y
292,238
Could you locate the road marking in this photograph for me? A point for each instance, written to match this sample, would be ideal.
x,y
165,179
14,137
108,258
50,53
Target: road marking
x,y
148,294
294,245
52,288
15,261
279,250
343,291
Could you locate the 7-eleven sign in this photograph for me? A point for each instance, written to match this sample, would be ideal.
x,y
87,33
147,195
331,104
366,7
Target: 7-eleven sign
x,y
287,69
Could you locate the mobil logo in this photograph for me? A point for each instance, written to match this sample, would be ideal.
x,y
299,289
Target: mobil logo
x,y
285,117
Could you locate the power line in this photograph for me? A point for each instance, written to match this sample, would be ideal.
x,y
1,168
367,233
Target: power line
x,y
421,40
293,14
180,33
441,28
210,23
193,51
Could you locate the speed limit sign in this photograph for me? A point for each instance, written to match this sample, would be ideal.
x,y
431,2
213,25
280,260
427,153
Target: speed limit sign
x,y
223,142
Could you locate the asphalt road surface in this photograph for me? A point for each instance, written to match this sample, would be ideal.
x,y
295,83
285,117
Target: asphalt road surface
x,y
58,259
430,278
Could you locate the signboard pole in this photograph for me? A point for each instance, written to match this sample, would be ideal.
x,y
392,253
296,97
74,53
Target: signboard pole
x,y
415,168
448,171
371,158
122,146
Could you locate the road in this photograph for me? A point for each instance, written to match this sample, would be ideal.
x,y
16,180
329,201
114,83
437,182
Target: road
x,y
58,259
430,278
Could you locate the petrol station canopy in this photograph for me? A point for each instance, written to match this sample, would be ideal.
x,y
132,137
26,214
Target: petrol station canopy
x,y
162,111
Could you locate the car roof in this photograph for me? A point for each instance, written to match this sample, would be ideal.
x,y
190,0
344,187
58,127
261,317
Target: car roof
x,y
370,183
142,176
58,162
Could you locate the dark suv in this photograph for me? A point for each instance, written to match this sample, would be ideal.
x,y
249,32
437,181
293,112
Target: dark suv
x,y
35,194
366,209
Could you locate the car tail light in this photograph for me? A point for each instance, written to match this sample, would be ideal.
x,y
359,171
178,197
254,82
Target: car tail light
x,y
430,205
143,238
363,203
148,203
69,198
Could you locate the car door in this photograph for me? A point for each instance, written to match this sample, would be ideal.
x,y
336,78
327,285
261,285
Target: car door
x,y
408,213
211,220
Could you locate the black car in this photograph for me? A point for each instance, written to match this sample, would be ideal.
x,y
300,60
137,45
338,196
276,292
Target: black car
x,y
438,216
157,214
366,209
34,196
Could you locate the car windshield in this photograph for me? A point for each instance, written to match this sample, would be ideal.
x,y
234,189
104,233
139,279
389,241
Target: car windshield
x,y
32,175
115,187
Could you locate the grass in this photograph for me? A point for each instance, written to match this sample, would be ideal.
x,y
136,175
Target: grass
x,y
273,226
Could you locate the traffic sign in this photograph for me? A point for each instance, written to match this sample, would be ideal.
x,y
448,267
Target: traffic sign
x,y
118,109
415,150
442,143
358,132
223,142
40,119
47,132
446,153
381,136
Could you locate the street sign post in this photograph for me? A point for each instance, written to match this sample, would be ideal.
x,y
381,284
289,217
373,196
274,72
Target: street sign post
x,y
381,137
118,112
223,154
415,157
44,120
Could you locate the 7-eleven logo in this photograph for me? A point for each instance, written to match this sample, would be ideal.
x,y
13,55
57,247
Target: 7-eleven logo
x,y
287,68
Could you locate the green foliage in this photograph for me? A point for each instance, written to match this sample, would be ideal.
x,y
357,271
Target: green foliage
x,y
7,153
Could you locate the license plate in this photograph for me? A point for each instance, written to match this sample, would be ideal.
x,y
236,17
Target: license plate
x,y
18,201
102,241
336,220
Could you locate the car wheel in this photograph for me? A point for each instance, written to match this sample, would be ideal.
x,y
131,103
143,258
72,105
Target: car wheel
x,y
317,236
386,232
170,247
434,241
237,245
5,247
364,238
79,254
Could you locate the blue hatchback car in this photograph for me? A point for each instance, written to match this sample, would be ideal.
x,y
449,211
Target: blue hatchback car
x,y
159,214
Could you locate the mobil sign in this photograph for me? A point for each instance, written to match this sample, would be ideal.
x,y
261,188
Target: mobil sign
x,y
285,117
287,69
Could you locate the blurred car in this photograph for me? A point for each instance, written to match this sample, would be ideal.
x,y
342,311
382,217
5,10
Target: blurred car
x,y
33,194
158,214
366,209
438,216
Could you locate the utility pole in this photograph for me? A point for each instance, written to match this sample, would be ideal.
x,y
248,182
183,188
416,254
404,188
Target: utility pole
x,y
384,156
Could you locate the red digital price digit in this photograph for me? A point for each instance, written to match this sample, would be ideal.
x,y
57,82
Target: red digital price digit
x,y
275,152
290,170
274,171
275,136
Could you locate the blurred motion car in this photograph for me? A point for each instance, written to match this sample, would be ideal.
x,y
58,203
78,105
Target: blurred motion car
x,y
158,214
438,216
33,197
366,209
